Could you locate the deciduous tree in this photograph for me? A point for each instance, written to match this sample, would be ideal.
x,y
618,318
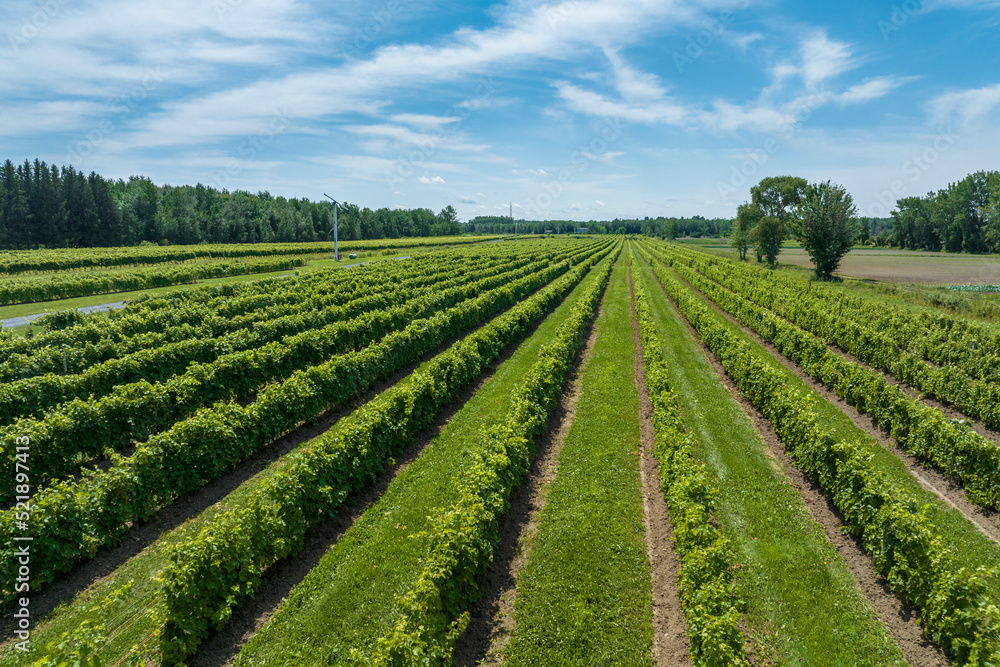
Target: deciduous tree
x,y
826,225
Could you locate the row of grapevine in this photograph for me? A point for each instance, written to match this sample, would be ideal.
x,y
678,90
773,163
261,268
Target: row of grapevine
x,y
30,290
84,427
209,312
904,545
201,312
66,259
76,518
464,536
32,395
216,570
969,346
705,582
871,344
925,432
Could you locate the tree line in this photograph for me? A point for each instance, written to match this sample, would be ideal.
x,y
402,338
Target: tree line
x,y
964,217
696,226
47,206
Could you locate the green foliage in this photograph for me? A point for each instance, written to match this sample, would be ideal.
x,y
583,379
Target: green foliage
x,y
80,517
747,217
772,202
925,432
215,571
29,290
464,536
225,369
919,567
62,320
825,222
708,596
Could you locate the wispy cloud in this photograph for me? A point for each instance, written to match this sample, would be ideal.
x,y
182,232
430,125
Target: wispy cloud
x,y
872,89
966,104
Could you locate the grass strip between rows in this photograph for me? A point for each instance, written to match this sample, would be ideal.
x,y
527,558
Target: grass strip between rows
x,y
705,583
348,600
82,429
464,536
71,521
925,432
904,546
584,595
214,572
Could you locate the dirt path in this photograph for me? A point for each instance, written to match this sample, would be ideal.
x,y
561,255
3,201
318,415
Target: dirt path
x,y
278,582
492,617
144,535
670,640
898,618
985,520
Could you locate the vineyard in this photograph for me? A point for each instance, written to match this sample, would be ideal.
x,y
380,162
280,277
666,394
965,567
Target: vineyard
x,y
561,451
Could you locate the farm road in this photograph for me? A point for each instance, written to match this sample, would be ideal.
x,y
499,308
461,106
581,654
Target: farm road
x,y
25,320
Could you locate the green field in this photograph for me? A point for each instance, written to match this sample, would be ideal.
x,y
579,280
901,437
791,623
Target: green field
x,y
440,461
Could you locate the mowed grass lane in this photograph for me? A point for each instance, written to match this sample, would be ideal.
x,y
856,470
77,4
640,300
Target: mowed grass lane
x,y
584,596
802,603
350,599
971,548
124,601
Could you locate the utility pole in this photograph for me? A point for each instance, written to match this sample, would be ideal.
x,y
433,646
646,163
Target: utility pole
x,y
336,248
512,219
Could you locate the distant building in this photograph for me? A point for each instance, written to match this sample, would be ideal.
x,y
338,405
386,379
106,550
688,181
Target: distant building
x,y
548,231
581,230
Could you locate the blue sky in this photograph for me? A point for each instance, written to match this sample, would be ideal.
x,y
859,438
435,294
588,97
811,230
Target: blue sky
x,y
580,109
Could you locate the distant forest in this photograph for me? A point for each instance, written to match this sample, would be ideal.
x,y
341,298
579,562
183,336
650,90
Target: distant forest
x,y
696,226
45,206
964,217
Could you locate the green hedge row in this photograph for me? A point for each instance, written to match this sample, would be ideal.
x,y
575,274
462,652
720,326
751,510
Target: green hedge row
x,y
30,290
210,312
203,313
464,536
65,259
83,427
215,571
705,583
72,520
905,547
871,343
973,347
32,395
925,432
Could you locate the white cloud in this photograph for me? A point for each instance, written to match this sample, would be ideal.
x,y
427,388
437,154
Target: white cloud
x,y
600,203
424,121
431,181
871,89
966,104
820,59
